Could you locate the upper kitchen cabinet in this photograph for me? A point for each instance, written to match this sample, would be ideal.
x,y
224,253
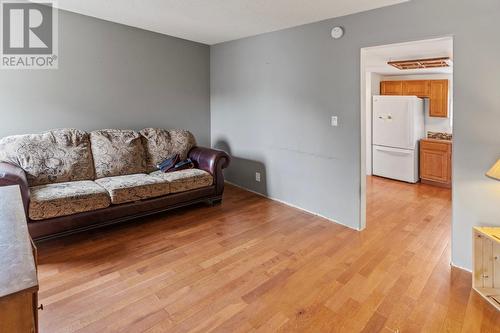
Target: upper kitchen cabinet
x,y
435,90
391,87
419,88
438,98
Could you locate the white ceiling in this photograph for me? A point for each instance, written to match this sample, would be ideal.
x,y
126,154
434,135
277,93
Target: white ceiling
x,y
376,58
215,21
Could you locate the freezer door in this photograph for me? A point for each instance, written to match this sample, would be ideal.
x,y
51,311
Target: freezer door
x,y
393,121
395,163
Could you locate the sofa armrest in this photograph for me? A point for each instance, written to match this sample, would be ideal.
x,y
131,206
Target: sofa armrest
x,y
13,175
213,161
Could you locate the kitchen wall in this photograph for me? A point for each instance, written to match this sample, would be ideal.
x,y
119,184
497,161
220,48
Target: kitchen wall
x,y
272,97
432,124
111,76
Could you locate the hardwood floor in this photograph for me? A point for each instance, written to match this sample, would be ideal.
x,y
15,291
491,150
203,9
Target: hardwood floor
x,y
252,264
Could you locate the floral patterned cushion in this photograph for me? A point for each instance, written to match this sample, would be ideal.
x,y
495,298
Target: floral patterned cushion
x,y
184,180
53,200
133,187
55,156
161,144
117,152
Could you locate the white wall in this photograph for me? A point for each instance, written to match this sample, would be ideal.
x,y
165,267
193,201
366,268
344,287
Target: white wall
x,y
432,124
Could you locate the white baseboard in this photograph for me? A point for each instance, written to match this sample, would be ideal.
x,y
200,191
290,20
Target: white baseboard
x,y
291,205
460,267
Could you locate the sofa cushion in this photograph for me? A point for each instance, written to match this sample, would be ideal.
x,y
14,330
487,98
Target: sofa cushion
x,y
133,187
117,152
53,200
55,156
161,144
184,180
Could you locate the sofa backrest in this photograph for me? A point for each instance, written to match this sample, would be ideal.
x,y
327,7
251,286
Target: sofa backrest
x,y
117,152
161,144
64,155
54,156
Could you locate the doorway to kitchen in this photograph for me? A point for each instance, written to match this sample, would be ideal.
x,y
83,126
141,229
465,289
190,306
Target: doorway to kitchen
x,y
406,132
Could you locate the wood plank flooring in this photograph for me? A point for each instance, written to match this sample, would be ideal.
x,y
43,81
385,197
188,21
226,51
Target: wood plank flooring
x,y
255,265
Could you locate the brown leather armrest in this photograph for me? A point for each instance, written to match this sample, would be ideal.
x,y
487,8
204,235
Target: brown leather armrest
x,y
13,175
212,161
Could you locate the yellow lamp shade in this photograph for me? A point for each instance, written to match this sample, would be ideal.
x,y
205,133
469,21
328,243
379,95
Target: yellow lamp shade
x,y
494,172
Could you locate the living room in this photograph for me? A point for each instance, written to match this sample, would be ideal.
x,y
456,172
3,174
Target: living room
x,y
199,166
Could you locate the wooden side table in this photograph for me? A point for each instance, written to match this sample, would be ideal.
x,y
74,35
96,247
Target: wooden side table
x,y
18,271
486,264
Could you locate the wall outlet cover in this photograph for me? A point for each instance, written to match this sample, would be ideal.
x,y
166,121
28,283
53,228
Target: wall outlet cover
x,y
257,176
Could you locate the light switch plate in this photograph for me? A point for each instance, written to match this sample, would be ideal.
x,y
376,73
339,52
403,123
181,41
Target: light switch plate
x,y
335,121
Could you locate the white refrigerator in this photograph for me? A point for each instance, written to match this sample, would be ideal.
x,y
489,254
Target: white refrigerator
x,y
398,125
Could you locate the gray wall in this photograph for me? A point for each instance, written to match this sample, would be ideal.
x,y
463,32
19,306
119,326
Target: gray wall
x,y
111,76
273,95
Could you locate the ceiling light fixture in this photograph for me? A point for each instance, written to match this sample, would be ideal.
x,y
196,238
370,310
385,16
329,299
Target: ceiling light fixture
x,y
421,63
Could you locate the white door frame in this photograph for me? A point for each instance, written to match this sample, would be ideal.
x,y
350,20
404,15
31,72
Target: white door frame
x,y
363,105
362,191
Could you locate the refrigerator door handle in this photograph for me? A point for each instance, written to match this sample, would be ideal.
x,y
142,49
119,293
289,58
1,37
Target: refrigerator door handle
x,y
394,152
388,117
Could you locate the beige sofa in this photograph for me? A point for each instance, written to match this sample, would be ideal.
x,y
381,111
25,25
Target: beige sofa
x,y
72,178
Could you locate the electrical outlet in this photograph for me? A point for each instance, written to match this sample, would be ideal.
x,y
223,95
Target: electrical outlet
x,y
257,176
335,121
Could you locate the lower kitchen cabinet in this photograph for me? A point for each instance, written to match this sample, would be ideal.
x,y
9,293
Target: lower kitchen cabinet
x,y
435,162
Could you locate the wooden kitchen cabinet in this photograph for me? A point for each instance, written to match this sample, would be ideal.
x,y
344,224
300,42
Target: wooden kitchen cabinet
x,y
435,90
438,98
391,87
419,88
435,162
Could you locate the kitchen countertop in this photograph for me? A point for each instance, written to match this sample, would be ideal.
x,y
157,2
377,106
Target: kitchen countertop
x,y
437,140
439,135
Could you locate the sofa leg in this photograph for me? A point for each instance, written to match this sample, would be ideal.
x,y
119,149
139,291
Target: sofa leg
x,y
215,202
